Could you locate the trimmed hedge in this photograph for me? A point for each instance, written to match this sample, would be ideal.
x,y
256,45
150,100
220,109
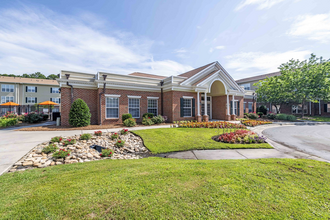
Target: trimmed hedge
x,y
125,116
79,115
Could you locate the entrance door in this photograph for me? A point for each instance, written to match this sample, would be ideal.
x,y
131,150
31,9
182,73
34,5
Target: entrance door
x,y
209,106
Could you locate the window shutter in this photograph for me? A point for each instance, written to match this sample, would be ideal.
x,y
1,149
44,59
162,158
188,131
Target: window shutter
x,y
193,107
26,88
36,89
231,107
59,100
51,90
35,100
51,99
325,108
181,107
25,99
238,112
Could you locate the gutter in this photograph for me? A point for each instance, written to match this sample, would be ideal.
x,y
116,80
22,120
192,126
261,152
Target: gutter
x,y
67,83
161,97
100,96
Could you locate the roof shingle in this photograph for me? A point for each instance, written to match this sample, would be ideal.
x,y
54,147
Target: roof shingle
x,y
259,77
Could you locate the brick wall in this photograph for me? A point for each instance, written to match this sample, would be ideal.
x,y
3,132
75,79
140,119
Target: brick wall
x,y
219,109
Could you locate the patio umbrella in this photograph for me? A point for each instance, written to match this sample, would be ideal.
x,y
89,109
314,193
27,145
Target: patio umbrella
x,y
49,103
10,104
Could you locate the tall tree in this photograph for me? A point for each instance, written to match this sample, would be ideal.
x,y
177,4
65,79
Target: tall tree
x,y
37,75
52,76
307,81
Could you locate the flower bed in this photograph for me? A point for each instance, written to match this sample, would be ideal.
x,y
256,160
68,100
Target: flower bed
x,y
253,123
215,124
240,137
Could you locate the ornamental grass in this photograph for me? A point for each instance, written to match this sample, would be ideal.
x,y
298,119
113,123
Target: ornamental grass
x,y
253,123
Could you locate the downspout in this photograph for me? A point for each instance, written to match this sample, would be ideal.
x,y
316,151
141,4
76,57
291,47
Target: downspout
x,y
67,83
161,97
100,96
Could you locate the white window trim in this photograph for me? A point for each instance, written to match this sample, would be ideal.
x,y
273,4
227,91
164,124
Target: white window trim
x,y
5,99
111,96
133,97
56,98
4,85
135,107
190,98
152,98
34,100
34,88
58,89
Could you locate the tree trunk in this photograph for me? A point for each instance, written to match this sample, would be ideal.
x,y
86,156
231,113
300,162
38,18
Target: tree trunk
x,y
276,108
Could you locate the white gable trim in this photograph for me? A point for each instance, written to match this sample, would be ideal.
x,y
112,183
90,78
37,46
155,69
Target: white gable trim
x,y
191,79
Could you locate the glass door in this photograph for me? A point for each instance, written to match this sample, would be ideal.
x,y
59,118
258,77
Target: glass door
x,y
209,106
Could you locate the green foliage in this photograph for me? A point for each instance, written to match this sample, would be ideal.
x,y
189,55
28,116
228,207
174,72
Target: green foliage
x,y
148,115
37,75
253,116
56,139
106,153
281,116
6,122
79,115
271,116
260,113
120,143
130,122
124,131
98,133
33,118
147,121
291,118
52,76
126,116
69,142
62,153
114,136
49,149
158,119
85,136
262,109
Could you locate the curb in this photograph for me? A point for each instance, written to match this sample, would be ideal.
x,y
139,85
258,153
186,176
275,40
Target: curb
x,y
302,123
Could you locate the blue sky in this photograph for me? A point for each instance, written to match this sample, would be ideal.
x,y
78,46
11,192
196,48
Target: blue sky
x,y
248,37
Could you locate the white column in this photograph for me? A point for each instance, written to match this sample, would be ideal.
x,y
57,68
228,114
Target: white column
x,y
234,105
228,105
205,103
198,107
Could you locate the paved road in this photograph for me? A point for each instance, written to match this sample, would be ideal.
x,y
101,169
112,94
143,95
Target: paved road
x,y
314,139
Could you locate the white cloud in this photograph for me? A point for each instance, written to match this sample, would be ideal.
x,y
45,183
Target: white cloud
x,y
313,27
33,39
198,27
216,48
262,4
262,63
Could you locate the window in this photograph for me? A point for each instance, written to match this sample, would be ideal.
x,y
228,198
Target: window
x,y
134,107
244,106
56,100
250,106
31,100
31,89
153,106
297,109
54,90
328,107
187,107
5,99
112,107
246,86
7,88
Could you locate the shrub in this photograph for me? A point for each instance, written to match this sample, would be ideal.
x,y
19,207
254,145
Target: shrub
x,y
106,153
120,143
32,118
148,115
147,121
6,122
85,136
260,114
253,116
79,115
10,115
98,133
211,124
49,149
124,131
130,122
114,136
20,118
158,119
291,118
126,116
56,139
43,116
62,153
281,116
262,109
69,141
271,116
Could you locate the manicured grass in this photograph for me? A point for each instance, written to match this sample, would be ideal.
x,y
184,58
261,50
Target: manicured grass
x,y
316,118
159,188
165,140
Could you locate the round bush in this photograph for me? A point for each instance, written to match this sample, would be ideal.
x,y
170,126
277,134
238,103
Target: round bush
x,y
147,121
281,116
130,122
158,119
126,116
148,115
291,118
79,115
253,116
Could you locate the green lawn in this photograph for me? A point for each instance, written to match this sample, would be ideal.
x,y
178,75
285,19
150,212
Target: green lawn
x,y
316,118
163,140
159,188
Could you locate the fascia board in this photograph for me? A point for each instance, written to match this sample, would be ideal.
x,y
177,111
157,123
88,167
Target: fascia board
x,y
197,74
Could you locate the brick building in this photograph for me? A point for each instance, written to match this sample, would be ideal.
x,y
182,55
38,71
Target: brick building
x,y
182,97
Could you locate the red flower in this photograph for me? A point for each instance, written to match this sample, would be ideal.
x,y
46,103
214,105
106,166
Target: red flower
x,y
119,141
110,152
68,154
100,154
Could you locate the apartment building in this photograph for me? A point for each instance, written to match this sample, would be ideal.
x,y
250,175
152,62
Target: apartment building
x,y
28,92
